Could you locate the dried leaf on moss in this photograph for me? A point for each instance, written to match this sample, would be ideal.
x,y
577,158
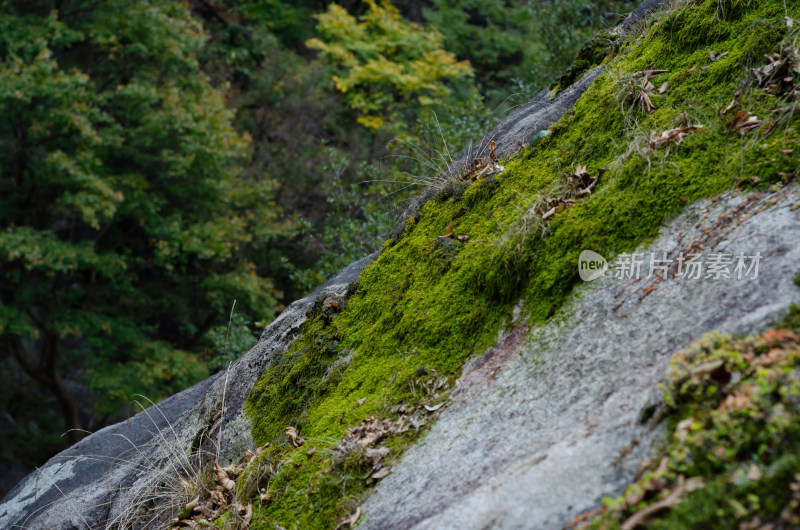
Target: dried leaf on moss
x,y
675,136
296,440
223,478
351,519
715,58
380,473
743,122
374,456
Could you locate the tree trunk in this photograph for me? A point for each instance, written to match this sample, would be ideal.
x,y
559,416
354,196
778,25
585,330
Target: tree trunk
x,y
45,372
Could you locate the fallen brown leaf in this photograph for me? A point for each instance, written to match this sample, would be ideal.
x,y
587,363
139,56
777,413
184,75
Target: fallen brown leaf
x,y
355,516
417,421
349,520
743,122
763,74
368,432
245,512
774,337
648,105
223,479
713,369
715,58
734,102
382,472
774,356
648,74
374,456
737,401
778,74
683,428
291,432
217,497
673,135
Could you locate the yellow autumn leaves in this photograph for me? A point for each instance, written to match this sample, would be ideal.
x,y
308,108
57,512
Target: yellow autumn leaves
x,y
383,63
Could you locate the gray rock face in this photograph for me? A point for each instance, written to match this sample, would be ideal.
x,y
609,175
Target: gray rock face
x,y
103,479
489,456
546,423
536,115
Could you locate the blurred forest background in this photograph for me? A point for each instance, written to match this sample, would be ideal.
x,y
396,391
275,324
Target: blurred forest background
x,y
161,159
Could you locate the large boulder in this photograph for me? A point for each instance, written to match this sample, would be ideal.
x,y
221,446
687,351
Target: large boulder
x,y
545,422
102,479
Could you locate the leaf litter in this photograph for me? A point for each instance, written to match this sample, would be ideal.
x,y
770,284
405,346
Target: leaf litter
x,y
211,503
362,441
579,183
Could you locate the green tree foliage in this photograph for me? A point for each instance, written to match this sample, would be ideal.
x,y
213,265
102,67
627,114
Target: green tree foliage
x,y
519,45
356,224
126,227
516,48
385,64
286,98
133,209
282,100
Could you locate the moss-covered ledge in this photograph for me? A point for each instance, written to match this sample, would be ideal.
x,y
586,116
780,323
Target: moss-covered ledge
x,y
443,288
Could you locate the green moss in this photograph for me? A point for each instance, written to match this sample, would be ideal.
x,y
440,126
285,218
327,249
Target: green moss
x,y
792,319
731,408
445,249
592,53
434,302
452,191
